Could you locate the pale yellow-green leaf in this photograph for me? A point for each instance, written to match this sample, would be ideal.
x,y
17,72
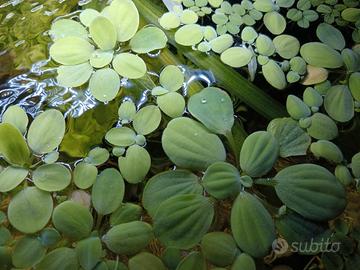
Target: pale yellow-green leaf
x,y
66,28
172,104
189,35
148,39
236,56
171,78
287,46
169,21
147,120
100,58
264,45
103,33
275,22
274,75
16,116
189,17
88,15
104,84
129,65
321,55
74,76
11,177
221,43
331,36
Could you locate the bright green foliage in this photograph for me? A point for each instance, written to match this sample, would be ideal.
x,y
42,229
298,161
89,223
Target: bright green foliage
x,y
11,177
343,174
321,55
89,252
322,127
327,150
85,175
51,177
17,117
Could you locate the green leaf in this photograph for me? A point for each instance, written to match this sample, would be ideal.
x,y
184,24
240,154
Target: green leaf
x,y
351,14
166,185
297,108
225,252
103,33
244,261
89,252
11,177
135,165
351,59
328,150
189,16
129,65
148,39
274,22
127,111
30,210
51,177
311,190
128,238
97,156
13,146
236,57
85,175
322,127
28,251
252,226
175,218
49,237
146,261
286,46
312,97
71,50
259,153
67,28
122,136
264,5
189,35
321,55
274,75
331,36
354,85
221,43
88,15
73,220
169,20
264,45
221,180
339,103
147,119
172,104
104,84
194,260
126,213
343,174
292,139
125,17
213,108
46,131
51,157
16,116
249,34
172,78
108,191
190,145
62,258
355,165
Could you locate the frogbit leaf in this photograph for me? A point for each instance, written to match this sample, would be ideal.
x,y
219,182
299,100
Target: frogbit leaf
x,y
51,177
104,84
122,136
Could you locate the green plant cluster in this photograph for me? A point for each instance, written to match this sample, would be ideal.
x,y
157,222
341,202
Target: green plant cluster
x,y
220,199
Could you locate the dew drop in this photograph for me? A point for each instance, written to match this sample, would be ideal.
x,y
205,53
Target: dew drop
x,y
203,100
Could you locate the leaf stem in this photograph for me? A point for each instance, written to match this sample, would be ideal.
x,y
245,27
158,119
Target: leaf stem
x,y
230,138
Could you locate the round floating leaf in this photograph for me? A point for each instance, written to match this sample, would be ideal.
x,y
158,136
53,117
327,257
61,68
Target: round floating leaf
x,y
264,45
354,85
88,15
189,17
351,14
244,261
103,33
122,136
30,210
221,43
213,108
51,177
73,220
100,58
104,84
17,117
259,153
298,65
222,180
28,251
225,252
97,156
49,237
343,174
175,218
264,5
209,33
252,226
62,258
321,55
172,104
146,261
169,20
5,237
249,34
166,185
275,22
274,75
331,36
129,65
285,3
215,3
85,175
148,39
128,238
236,57
127,111
125,17
194,260
159,90
322,127
286,46
189,35
51,158
11,177
46,131
190,145
328,150
71,50
311,190
127,212
13,146
89,252
67,28
297,108
172,78
293,140
351,59
312,98
339,103
135,165
147,120
108,191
